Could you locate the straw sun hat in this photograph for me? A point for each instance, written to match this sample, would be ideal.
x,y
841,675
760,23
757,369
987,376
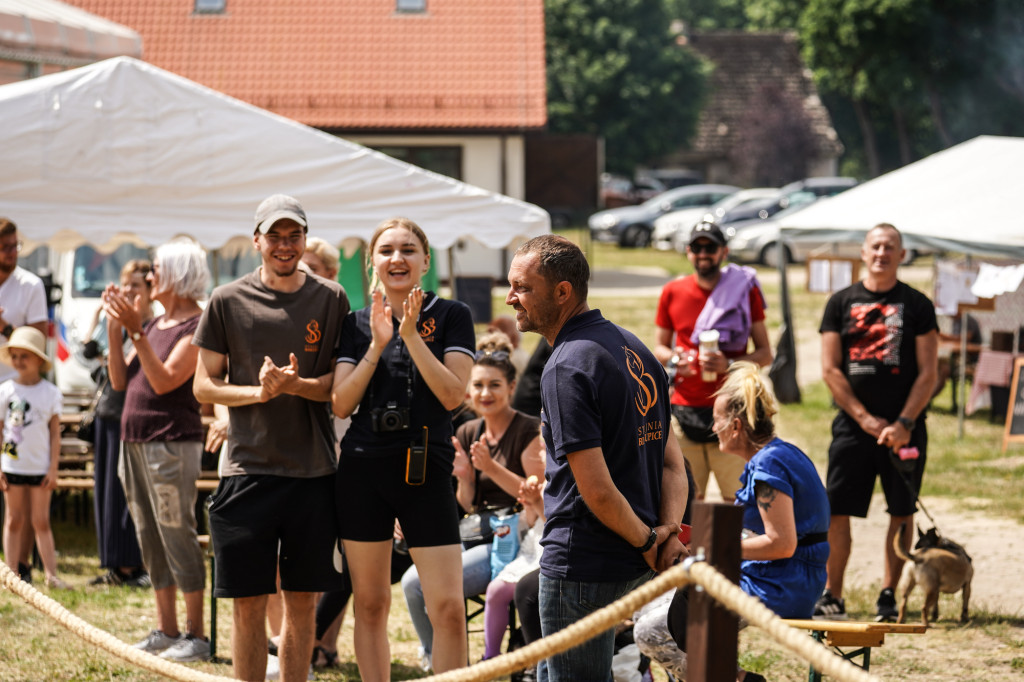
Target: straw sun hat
x,y
30,339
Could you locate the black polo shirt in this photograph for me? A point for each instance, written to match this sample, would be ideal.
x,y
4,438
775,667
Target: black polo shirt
x,y
446,327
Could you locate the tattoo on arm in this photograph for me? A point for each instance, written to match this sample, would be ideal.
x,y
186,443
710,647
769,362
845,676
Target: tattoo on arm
x,y
765,495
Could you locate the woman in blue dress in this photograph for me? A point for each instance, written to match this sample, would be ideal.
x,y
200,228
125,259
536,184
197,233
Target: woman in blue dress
x,y
785,517
785,507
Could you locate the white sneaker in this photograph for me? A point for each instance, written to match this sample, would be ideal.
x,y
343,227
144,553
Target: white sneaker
x,y
188,649
273,667
156,641
426,665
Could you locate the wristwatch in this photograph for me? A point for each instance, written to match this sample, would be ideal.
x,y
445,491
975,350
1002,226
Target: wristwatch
x,y
906,422
8,330
136,336
651,539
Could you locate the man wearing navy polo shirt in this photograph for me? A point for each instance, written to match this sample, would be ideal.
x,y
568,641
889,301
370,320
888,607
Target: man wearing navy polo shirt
x,y
616,482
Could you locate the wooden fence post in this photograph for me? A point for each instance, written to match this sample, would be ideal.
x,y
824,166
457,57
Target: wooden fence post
x,y
712,629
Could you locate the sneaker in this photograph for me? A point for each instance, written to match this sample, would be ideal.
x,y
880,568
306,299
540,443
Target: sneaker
x,y
829,608
138,578
426,665
886,605
156,642
273,667
111,577
25,572
188,649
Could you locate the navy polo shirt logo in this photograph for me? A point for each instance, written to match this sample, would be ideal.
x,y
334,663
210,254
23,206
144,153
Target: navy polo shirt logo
x,y
647,390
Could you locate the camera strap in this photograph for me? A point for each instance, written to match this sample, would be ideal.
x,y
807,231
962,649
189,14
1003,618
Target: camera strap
x,y
403,360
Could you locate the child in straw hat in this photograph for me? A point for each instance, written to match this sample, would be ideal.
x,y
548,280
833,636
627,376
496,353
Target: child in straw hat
x,y
30,408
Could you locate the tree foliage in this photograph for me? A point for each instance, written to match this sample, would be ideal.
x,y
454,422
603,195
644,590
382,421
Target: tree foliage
x,y
920,75
614,70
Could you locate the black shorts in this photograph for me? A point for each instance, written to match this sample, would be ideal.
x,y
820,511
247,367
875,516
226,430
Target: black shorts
x,y
255,518
371,493
854,461
23,479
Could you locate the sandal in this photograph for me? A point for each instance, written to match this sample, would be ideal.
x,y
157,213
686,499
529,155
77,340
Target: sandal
x,y
55,583
322,658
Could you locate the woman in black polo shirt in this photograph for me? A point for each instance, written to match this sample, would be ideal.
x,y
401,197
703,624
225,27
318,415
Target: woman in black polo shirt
x,y
403,365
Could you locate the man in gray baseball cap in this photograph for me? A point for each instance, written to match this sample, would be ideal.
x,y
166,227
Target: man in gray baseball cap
x,y
279,207
266,350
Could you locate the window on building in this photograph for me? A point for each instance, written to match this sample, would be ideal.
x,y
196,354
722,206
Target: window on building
x,y
210,6
443,160
411,5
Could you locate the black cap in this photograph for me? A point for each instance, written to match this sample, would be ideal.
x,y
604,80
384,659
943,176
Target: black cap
x,y
707,230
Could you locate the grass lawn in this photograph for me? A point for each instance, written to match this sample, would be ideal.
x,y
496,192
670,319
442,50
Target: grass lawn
x,y
971,470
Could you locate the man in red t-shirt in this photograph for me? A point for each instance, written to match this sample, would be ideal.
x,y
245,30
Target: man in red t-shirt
x,y
727,299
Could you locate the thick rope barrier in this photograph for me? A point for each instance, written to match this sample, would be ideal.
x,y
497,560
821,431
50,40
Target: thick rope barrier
x,y
696,572
702,574
103,640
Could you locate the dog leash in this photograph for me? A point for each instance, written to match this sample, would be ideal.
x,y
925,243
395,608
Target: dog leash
x,y
910,487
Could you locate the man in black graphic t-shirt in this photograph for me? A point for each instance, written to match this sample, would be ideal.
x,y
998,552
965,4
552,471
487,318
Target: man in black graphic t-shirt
x,y
879,359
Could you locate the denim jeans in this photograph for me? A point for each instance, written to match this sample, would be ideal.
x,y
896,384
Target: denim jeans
x,y
476,575
564,602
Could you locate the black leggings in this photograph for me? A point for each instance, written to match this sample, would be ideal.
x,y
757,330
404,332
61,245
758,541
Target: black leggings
x,y
528,605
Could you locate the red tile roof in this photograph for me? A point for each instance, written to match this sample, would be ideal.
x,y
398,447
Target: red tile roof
x,y
356,64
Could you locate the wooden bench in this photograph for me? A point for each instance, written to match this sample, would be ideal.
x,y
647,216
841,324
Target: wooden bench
x,y
841,633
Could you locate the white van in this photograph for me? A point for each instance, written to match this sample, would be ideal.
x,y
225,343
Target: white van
x,y
82,275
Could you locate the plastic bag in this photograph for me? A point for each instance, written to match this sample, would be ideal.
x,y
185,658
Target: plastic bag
x,y
505,544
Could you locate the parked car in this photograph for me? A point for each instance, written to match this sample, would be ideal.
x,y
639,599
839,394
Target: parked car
x,y
756,241
632,225
618,190
791,195
672,230
671,177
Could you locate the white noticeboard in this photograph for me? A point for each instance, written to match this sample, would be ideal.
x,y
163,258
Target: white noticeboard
x,y
826,275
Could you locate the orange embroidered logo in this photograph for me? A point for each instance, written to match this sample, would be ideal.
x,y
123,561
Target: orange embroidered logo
x,y
647,392
428,328
313,333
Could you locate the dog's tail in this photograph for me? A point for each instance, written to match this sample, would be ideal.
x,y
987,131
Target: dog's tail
x,y
897,545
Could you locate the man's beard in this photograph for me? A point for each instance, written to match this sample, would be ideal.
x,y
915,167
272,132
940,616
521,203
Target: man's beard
x,y
708,270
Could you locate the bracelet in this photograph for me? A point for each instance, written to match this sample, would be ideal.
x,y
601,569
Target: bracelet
x,y
651,539
371,364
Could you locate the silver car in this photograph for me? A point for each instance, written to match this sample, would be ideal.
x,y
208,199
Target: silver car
x,y
632,225
672,230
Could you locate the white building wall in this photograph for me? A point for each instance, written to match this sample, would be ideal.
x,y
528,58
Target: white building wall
x,y
481,166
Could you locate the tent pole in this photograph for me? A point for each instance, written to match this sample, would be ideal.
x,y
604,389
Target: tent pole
x,y
215,259
961,368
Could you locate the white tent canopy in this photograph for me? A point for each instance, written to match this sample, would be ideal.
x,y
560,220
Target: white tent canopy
x,y
965,199
123,151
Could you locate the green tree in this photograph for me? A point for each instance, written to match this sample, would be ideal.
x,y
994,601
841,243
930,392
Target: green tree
x,y
615,70
920,75
709,15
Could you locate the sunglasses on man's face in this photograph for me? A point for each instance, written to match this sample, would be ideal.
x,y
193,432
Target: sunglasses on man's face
x,y
704,247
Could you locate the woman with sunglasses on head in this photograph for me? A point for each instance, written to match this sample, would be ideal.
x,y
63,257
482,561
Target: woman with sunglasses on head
x,y
494,455
403,364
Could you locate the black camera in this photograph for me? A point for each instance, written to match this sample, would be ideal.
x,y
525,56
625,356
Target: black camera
x,y
389,418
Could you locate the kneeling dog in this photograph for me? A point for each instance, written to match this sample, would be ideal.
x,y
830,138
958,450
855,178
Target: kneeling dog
x,y
938,570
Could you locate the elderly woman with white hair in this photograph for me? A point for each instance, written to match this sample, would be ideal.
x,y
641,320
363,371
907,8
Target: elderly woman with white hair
x,y
162,439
